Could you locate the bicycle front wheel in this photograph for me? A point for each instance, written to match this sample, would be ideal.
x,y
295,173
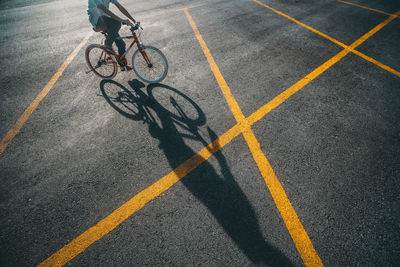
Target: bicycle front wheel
x,y
100,61
150,64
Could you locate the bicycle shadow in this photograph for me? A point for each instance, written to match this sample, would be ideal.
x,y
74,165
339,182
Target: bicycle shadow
x,y
219,193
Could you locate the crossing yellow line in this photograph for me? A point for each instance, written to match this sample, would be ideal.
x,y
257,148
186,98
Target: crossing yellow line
x,y
35,103
106,225
372,9
103,227
261,112
379,64
302,24
293,224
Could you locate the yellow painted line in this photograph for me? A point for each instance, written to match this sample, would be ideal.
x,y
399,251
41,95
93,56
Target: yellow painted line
x,y
383,66
87,238
373,31
282,97
295,228
302,24
261,112
372,9
103,227
35,103
190,7
379,64
233,105
290,218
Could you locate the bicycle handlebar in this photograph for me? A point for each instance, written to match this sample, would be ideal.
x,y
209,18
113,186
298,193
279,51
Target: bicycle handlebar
x,y
136,26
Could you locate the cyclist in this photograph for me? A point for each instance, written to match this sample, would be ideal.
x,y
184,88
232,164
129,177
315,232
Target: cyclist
x,y
102,19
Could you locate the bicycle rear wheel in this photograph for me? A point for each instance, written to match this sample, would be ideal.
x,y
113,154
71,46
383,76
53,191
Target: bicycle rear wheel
x,y
150,64
100,61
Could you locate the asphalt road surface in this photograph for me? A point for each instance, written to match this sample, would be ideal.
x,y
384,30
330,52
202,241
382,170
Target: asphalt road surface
x,y
274,140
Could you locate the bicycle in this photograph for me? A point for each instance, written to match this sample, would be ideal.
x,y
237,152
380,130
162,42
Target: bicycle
x,y
148,62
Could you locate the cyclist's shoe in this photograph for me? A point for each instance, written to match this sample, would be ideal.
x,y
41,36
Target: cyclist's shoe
x,y
126,68
123,63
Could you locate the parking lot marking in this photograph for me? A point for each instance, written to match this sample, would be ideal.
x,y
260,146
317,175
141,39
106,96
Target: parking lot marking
x,y
190,7
35,103
106,225
372,9
282,97
294,226
377,28
383,66
285,208
302,24
103,227
379,64
233,105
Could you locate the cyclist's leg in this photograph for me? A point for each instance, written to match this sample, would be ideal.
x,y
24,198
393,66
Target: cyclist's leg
x,y
112,28
121,45
103,26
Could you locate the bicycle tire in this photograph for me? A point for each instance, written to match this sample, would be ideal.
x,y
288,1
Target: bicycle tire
x,y
104,67
151,74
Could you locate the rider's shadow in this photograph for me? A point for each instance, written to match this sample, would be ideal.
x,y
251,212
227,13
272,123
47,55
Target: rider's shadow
x,y
219,193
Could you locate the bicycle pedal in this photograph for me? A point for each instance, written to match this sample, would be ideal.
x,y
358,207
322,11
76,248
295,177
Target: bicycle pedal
x,y
126,68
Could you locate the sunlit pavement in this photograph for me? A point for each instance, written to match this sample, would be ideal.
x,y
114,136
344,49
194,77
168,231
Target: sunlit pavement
x,y
273,140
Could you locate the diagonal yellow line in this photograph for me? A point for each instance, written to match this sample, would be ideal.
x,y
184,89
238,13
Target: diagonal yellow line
x,y
379,64
233,105
383,66
373,31
35,103
261,112
372,9
289,216
106,225
302,24
292,222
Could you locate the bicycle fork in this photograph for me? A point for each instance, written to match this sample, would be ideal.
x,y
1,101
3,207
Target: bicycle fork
x,y
141,50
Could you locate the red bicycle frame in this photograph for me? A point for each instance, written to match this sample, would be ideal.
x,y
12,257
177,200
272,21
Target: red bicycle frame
x,y
139,46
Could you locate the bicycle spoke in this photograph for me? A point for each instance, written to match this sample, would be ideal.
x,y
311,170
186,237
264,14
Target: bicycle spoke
x,y
104,66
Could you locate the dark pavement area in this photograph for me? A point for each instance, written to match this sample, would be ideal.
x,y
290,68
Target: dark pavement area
x,y
334,145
